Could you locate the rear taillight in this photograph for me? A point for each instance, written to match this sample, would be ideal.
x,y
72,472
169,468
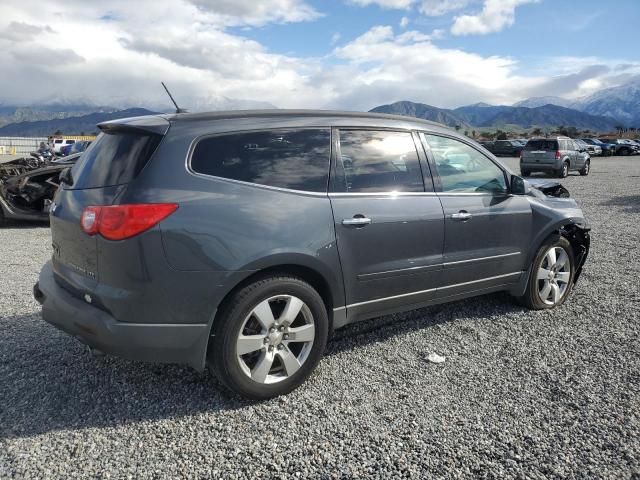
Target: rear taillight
x,y
118,222
558,155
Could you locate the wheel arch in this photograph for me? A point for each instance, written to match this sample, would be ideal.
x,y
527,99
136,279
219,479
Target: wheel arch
x,y
577,235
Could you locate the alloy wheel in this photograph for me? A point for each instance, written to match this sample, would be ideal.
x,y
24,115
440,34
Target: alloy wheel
x,y
275,339
553,275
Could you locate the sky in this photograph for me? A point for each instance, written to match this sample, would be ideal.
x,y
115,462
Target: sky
x,y
340,54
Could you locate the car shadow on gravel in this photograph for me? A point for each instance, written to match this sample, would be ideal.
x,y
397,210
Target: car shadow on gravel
x,y
630,203
49,381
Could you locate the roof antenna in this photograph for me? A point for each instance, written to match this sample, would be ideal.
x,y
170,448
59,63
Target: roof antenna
x,y
178,109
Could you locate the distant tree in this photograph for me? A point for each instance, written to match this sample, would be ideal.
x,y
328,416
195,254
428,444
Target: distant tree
x,y
620,129
82,134
58,132
537,131
457,127
473,133
572,132
501,136
466,133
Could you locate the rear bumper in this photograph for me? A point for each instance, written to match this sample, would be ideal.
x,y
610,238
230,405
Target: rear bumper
x,y
165,343
538,166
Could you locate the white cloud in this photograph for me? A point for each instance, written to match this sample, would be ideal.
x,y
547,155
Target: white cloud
x,y
252,12
404,22
495,16
435,8
335,38
389,4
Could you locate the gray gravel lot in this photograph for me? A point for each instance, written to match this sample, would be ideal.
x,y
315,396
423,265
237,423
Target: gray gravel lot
x,y
522,394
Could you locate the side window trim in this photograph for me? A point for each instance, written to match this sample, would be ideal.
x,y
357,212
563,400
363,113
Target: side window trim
x,y
200,138
437,181
337,154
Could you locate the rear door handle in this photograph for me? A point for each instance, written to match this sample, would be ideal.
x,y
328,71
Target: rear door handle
x,y
462,215
356,221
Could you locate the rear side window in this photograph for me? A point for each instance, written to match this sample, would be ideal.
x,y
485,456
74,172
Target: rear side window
x,y
115,158
542,145
294,159
377,161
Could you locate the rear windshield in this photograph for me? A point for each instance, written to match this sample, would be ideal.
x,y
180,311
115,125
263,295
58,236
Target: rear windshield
x,y
542,145
114,158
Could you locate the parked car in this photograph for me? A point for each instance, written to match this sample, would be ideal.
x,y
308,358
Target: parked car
x,y
59,143
592,150
77,147
606,148
29,194
556,155
507,148
243,239
620,147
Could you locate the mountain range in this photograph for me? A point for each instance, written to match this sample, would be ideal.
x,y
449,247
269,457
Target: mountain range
x,y
483,116
602,111
84,124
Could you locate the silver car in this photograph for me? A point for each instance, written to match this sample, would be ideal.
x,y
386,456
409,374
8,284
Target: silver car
x,y
556,155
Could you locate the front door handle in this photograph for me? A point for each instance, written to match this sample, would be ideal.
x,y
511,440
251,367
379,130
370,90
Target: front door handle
x,y
461,215
357,221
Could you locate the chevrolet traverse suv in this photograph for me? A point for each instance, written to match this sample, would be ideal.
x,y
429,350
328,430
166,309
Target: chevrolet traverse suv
x,y
241,240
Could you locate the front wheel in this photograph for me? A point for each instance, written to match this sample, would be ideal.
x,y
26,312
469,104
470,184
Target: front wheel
x,y
269,338
585,170
551,277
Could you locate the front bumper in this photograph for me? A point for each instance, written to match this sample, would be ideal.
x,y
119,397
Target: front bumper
x,y
165,343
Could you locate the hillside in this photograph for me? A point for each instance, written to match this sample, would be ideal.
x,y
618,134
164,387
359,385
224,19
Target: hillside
x,y
488,116
69,126
621,102
421,110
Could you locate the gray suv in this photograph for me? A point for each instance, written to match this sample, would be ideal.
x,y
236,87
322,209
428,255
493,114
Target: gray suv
x,y
241,240
556,155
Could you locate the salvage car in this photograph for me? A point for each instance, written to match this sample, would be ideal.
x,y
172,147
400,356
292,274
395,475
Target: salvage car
x,y
242,240
26,191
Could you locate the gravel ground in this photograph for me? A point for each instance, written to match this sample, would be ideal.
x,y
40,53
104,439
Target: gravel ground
x,y
522,394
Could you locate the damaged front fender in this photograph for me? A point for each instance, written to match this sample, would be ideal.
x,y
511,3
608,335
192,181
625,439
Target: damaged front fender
x,y
580,240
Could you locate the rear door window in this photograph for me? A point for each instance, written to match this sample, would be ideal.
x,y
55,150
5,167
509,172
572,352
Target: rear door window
x,y
115,158
377,161
294,159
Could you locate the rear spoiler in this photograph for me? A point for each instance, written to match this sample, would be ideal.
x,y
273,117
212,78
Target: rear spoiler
x,y
150,124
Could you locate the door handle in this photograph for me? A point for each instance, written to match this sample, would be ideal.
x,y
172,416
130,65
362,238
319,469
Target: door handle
x,y
461,215
359,221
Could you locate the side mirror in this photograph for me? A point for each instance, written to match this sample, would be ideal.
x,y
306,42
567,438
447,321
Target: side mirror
x,y
518,186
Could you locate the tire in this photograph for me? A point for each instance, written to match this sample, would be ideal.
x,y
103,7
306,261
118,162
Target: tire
x,y
533,296
584,171
262,372
564,170
625,151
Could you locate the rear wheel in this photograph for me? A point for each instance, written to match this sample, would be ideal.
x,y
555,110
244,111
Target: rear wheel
x,y
551,277
269,337
625,151
585,170
564,170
